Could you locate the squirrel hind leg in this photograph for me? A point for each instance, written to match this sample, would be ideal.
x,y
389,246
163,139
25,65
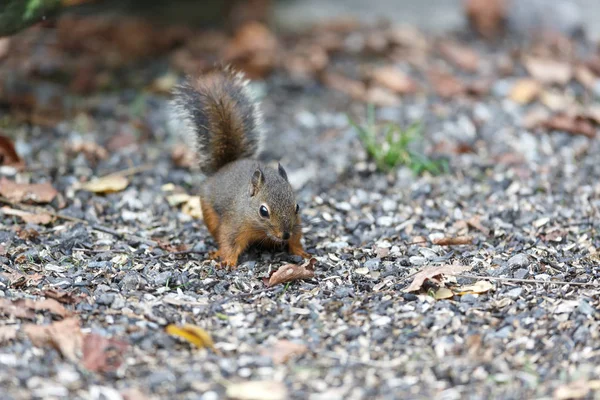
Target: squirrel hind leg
x,y
211,218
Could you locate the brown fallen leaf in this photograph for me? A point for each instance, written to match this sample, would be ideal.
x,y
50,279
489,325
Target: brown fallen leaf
x,y
8,154
17,279
476,288
306,61
461,56
524,91
9,308
487,17
62,297
24,308
445,84
475,222
292,272
283,350
353,88
252,49
50,305
193,334
65,336
27,192
452,241
575,125
548,71
92,151
7,333
394,79
101,354
381,97
431,272
257,390
29,218
107,184
183,156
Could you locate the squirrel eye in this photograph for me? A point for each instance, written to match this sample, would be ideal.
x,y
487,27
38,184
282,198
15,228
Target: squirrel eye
x,y
297,208
264,211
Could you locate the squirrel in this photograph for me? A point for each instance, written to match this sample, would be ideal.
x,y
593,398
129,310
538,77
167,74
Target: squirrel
x,y
243,201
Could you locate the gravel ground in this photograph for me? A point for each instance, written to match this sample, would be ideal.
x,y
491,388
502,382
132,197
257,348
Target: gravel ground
x,y
529,198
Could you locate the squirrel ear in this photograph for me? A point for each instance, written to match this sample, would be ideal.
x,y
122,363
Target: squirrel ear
x,y
257,180
282,171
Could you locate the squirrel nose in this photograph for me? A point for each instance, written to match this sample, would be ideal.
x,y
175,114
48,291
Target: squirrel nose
x,y
285,236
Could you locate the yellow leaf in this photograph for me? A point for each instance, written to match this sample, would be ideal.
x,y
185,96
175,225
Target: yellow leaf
x,y
107,184
443,293
193,334
525,91
177,199
476,288
192,207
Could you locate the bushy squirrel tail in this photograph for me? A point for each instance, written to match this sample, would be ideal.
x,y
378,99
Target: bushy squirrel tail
x,y
220,116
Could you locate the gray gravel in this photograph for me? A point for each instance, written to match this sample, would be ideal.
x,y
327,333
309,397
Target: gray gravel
x,y
371,232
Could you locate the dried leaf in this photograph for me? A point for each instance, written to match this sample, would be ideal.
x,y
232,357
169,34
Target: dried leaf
x,y
101,354
475,222
183,156
443,293
549,71
27,192
430,272
193,207
579,389
7,333
17,279
62,297
50,305
178,199
10,308
487,17
283,350
23,308
292,272
29,218
193,334
476,288
451,241
257,390
381,97
251,38
445,85
8,154
351,87
574,125
107,184
253,49
91,150
459,55
305,61
65,336
394,79
524,91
